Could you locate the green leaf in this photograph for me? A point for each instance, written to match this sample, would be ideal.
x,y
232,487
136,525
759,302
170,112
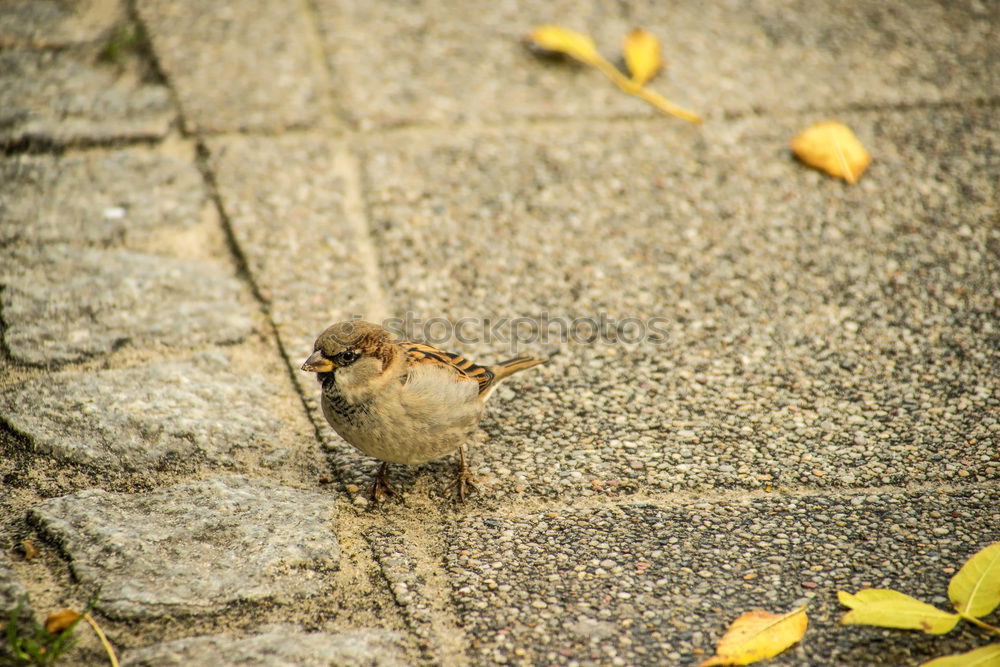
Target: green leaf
x,y
975,590
985,656
892,609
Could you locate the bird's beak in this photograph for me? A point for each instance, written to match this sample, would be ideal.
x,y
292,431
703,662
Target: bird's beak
x,y
316,363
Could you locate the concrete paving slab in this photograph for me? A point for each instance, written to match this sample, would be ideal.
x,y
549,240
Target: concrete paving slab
x,y
732,57
63,97
438,63
235,69
193,548
62,303
433,63
282,645
193,414
97,197
812,334
658,584
57,23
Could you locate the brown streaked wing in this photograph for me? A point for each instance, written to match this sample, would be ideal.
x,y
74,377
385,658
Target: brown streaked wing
x,y
418,353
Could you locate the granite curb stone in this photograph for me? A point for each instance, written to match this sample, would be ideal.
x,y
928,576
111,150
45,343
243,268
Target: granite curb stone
x,y
224,80
62,303
62,97
55,23
193,548
189,414
96,197
282,645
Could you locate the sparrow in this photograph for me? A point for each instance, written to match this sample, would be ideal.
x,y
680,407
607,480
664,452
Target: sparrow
x,y
402,401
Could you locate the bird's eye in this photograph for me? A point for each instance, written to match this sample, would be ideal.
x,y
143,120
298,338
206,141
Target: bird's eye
x,y
346,357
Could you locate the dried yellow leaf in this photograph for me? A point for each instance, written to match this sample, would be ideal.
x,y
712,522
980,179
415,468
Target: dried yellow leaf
x,y
892,609
582,47
832,147
757,635
29,549
643,56
564,40
975,590
58,621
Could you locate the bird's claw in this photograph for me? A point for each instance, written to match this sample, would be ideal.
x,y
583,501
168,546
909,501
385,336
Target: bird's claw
x,y
380,488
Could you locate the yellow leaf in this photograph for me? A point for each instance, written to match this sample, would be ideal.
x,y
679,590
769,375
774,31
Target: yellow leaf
x,y
832,147
582,47
975,590
757,635
564,40
58,621
985,656
892,609
642,55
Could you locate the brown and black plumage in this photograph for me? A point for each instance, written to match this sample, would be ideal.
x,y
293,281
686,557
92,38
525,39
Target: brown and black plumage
x,y
401,401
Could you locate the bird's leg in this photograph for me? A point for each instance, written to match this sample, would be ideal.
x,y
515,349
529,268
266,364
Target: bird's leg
x,y
381,489
462,484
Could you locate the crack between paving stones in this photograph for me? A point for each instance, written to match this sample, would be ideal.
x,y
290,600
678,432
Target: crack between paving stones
x,y
245,275
583,121
211,185
681,499
38,145
448,641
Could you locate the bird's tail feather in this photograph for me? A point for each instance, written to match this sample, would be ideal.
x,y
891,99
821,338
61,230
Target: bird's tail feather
x,y
515,365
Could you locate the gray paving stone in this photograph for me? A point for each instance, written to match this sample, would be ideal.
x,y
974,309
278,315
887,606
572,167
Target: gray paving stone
x,y
55,23
96,197
62,303
62,97
813,334
653,584
194,548
188,414
282,645
235,69
434,62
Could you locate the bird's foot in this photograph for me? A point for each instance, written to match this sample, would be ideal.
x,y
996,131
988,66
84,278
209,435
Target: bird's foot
x,y
380,488
463,484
